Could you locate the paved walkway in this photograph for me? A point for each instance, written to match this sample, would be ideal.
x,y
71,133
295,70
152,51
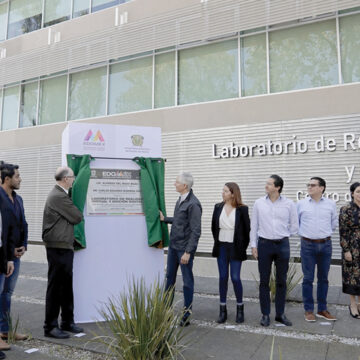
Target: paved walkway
x,y
320,340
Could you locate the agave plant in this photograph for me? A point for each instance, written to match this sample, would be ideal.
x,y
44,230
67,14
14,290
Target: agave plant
x,y
142,324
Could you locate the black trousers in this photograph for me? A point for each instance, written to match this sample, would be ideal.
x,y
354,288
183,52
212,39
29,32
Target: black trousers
x,y
59,293
279,252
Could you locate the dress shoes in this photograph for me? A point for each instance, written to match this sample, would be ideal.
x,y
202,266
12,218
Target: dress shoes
x,y
265,320
73,328
185,320
2,355
4,345
16,336
56,333
283,320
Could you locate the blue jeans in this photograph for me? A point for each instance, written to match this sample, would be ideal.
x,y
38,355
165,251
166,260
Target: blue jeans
x,y
173,262
7,287
224,260
315,254
270,251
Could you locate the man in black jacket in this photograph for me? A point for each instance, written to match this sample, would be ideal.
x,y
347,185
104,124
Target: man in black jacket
x,y
6,255
10,181
60,216
184,238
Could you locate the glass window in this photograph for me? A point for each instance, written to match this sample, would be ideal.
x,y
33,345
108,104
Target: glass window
x,y
350,47
80,8
56,11
87,94
52,100
130,87
24,17
253,65
208,72
103,4
28,104
165,80
10,110
303,57
3,20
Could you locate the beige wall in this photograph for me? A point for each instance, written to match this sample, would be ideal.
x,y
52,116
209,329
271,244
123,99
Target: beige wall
x,y
313,103
98,21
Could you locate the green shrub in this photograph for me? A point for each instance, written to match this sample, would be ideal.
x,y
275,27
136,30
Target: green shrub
x,y
142,324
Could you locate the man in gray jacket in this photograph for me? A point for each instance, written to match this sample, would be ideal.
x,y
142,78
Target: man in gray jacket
x,y
184,237
60,216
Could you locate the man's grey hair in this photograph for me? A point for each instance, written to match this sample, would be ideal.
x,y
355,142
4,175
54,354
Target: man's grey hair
x,y
61,172
187,179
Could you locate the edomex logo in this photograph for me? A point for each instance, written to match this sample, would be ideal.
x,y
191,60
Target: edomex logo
x,y
94,139
137,140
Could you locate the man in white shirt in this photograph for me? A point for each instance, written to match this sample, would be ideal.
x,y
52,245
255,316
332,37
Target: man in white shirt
x,y
273,220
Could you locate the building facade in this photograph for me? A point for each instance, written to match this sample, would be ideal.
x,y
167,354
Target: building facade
x,y
241,90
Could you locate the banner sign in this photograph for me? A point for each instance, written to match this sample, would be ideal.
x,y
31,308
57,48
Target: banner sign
x,y
114,192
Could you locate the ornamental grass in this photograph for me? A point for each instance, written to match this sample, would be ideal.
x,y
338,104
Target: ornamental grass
x,y
142,324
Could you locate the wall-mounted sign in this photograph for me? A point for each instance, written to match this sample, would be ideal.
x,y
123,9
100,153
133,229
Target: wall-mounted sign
x,y
114,192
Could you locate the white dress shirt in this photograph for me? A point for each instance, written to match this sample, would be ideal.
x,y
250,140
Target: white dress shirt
x,y
273,220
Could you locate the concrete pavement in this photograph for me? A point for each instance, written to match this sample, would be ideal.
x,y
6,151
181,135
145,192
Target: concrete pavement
x,y
321,340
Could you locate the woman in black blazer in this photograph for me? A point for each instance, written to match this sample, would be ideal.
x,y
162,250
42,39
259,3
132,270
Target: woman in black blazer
x,y
230,228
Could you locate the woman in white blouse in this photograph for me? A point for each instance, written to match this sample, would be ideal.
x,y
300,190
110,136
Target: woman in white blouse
x,y
230,228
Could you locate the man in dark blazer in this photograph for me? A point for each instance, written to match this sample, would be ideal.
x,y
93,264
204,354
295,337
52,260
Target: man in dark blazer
x,y
10,181
184,238
60,216
6,256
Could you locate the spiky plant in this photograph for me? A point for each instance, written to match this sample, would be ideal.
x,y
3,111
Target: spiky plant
x,y
142,324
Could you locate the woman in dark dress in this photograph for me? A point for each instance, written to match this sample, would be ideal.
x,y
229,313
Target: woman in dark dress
x,y
349,227
230,228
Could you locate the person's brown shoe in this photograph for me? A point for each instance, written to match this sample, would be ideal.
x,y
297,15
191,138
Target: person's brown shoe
x,y
309,316
326,315
17,336
4,345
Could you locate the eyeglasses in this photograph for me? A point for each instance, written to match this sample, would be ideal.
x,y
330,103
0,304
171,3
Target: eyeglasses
x,y
72,177
311,185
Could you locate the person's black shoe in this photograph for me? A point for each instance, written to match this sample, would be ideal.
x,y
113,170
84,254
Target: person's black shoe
x,y
2,355
222,315
239,314
185,320
56,333
265,320
283,320
73,328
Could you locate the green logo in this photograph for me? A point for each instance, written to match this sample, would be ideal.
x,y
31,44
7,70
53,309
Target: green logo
x,y
137,140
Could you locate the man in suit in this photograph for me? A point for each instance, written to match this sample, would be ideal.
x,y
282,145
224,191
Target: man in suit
x,y
6,255
13,203
184,238
60,216
273,220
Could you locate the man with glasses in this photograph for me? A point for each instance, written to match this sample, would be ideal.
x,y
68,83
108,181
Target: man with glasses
x,y
60,216
273,220
317,221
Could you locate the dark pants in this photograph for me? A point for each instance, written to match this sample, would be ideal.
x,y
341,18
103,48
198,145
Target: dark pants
x,y
173,262
279,252
315,254
224,261
59,293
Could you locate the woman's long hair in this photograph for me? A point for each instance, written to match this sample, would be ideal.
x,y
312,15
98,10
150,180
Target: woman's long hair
x,y
235,190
